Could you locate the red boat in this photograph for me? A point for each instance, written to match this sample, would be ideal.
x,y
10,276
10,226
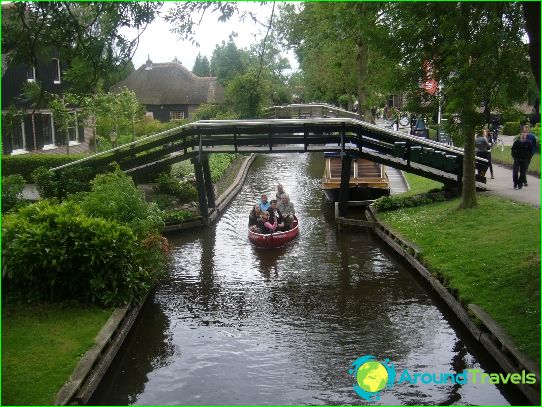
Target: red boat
x,y
276,239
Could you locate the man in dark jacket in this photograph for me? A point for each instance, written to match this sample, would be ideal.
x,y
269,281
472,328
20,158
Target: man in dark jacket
x,y
521,152
531,139
275,213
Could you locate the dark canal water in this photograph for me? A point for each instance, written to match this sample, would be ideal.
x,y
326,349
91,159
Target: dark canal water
x,y
233,324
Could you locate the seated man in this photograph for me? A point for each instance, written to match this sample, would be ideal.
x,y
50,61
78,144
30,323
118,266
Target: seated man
x,y
287,210
264,204
274,213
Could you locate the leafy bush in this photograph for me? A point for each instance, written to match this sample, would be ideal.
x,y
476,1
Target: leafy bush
x,y
114,196
184,169
183,191
26,164
61,183
391,203
56,253
177,216
219,163
12,191
164,201
511,128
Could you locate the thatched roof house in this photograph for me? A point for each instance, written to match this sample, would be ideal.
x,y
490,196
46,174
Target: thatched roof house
x,y
169,90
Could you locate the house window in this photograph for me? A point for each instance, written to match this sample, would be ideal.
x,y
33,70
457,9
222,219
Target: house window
x,y
48,131
31,74
73,130
176,115
18,141
56,70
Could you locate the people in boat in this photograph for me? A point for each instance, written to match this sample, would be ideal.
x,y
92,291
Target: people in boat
x,y
287,210
274,213
264,203
255,220
280,192
269,225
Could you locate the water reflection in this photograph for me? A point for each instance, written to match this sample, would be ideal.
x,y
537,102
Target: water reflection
x,y
252,326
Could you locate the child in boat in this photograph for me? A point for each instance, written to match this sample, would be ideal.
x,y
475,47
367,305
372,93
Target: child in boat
x,y
269,226
255,220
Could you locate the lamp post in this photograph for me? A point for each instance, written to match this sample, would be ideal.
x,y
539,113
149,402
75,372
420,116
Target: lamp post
x,y
113,137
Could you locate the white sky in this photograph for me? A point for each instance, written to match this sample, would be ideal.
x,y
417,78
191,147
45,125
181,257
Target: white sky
x,y
163,46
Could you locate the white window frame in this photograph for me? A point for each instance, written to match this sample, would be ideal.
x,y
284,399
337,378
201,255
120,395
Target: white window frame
x,y
23,150
53,145
33,79
76,128
175,112
57,67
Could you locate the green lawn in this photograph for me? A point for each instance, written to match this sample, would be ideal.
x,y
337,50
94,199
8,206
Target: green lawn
x,y
41,346
419,185
505,157
490,254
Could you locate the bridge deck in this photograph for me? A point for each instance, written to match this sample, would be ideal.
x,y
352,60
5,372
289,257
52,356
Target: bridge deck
x,y
424,157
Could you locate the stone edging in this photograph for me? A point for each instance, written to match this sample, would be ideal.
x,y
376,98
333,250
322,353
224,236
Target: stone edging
x,y
489,334
89,371
221,202
94,363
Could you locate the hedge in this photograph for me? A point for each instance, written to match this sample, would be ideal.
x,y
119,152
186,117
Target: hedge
x,y
26,164
511,128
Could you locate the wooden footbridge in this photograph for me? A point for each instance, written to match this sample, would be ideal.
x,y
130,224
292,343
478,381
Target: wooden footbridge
x,y
312,131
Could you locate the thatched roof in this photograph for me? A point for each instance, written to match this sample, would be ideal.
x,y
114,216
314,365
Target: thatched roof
x,y
170,83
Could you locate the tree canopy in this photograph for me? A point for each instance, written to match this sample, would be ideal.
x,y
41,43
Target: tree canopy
x,y
88,37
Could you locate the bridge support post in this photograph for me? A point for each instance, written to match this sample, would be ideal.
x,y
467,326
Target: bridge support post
x,y
345,183
209,190
200,185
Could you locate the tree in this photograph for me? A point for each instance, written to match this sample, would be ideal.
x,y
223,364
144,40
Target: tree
x,y
337,47
228,61
475,51
88,37
202,67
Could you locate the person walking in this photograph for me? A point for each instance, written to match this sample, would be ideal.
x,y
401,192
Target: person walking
x,y
482,151
531,139
521,151
490,141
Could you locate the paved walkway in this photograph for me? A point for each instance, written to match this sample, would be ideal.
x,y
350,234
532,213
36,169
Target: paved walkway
x,y
502,185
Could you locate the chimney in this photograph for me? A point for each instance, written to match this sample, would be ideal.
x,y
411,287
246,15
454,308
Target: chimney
x,y
148,65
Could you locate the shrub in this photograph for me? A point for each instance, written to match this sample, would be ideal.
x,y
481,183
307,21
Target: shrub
x,y
391,203
57,253
114,196
183,191
61,183
177,216
511,128
12,191
26,164
164,201
219,163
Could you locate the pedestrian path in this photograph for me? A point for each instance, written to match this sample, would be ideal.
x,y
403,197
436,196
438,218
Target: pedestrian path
x,y
502,185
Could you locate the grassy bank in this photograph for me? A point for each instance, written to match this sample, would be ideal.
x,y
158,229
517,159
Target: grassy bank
x,y
505,157
419,185
490,254
41,345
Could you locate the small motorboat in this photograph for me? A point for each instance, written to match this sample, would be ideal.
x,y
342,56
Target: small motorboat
x,y
275,239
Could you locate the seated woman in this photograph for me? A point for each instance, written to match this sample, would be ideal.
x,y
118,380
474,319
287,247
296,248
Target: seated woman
x,y
255,220
268,226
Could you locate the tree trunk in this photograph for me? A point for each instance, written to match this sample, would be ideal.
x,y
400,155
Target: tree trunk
x,y
531,13
468,193
362,59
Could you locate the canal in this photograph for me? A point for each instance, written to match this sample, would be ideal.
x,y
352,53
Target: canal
x,y
232,324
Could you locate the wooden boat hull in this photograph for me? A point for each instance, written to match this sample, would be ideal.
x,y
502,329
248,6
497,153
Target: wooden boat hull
x,y
368,180
276,239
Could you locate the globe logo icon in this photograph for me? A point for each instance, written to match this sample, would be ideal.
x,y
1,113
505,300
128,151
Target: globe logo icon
x,y
372,377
